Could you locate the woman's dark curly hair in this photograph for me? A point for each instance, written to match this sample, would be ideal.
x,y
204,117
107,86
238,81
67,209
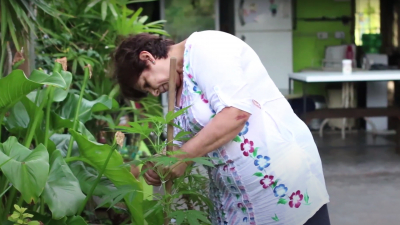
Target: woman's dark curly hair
x,y
128,66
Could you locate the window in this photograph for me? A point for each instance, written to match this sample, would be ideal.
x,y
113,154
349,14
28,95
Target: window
x,y
368,19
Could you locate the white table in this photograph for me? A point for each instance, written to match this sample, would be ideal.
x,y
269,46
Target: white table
x,y
358,76
347,80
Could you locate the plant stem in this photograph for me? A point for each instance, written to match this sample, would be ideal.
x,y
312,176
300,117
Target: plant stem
x,y
76,117
41,205
10,201
89,195
56,69
47,120
3,57
1,122
20,201
33,125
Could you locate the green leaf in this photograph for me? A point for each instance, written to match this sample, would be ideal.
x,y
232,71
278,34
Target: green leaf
x,y
111,6
201,160
61,93
91,4
153,212
87,176
258,174
282,201
76,220
274,184
17,121
27,170
306,198
255,152
172,115
179,216
237,139
104,10
198,215
62,192
16,85
87,108
115,171
181,135
33,223
275,218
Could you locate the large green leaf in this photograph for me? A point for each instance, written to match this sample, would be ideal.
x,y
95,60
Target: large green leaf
x,y
17,85
87,176
17,121
23,112
27,170
115,171
47,219
154,213
61,93
87,107
62,192
61,142
76,220
58,122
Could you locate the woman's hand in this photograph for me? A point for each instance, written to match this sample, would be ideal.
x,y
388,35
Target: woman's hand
x,y
174,171
150,176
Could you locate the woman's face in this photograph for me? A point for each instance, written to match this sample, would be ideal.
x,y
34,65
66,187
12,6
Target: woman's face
x,y
153,80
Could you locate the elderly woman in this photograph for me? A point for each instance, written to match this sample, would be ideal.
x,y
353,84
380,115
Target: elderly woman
x,y
267,168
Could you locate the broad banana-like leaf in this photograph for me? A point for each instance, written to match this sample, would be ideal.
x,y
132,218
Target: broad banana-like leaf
x,y
87,176
115,171
60,94
27,170
87,107
62,192
16,85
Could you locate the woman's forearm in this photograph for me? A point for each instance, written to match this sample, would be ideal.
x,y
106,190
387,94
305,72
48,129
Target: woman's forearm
x,y
221,129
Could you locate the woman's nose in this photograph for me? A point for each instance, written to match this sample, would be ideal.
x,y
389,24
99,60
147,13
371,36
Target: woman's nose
x,y
155,92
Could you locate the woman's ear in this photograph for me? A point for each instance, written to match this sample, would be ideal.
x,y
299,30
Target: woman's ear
x,y
147,56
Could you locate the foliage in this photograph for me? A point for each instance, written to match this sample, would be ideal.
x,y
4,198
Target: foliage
x,y
186,17
18,20
90,37
34,162
185,195
19,217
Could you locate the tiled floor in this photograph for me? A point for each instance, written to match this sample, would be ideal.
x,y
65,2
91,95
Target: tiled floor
x,y
363,181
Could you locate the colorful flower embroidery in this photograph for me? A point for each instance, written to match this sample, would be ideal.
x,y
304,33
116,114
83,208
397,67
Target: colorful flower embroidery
x,y
280,190
247,147
295,199
203,98
267,181
196,90
192,79
262,162
245,129
242,207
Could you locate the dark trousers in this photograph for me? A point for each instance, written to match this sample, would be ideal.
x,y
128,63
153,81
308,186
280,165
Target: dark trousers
x,y
321,217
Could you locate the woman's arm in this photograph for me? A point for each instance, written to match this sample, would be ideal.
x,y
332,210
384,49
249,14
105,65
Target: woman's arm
x,y
221,129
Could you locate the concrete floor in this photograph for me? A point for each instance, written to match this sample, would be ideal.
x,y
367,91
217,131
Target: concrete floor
x,y
363,181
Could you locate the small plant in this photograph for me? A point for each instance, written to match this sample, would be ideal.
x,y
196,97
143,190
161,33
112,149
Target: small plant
x,y
187,203
19,217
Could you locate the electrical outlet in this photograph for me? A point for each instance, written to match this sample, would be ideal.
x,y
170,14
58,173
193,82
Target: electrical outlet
x,y
322,35
339,35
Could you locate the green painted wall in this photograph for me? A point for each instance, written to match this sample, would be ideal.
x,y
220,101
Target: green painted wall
x,y
308,50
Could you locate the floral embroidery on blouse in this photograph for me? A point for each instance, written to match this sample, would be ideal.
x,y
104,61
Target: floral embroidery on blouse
x,y
262,162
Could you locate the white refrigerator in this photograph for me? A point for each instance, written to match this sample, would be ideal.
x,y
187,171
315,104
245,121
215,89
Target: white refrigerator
x,y
266,26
